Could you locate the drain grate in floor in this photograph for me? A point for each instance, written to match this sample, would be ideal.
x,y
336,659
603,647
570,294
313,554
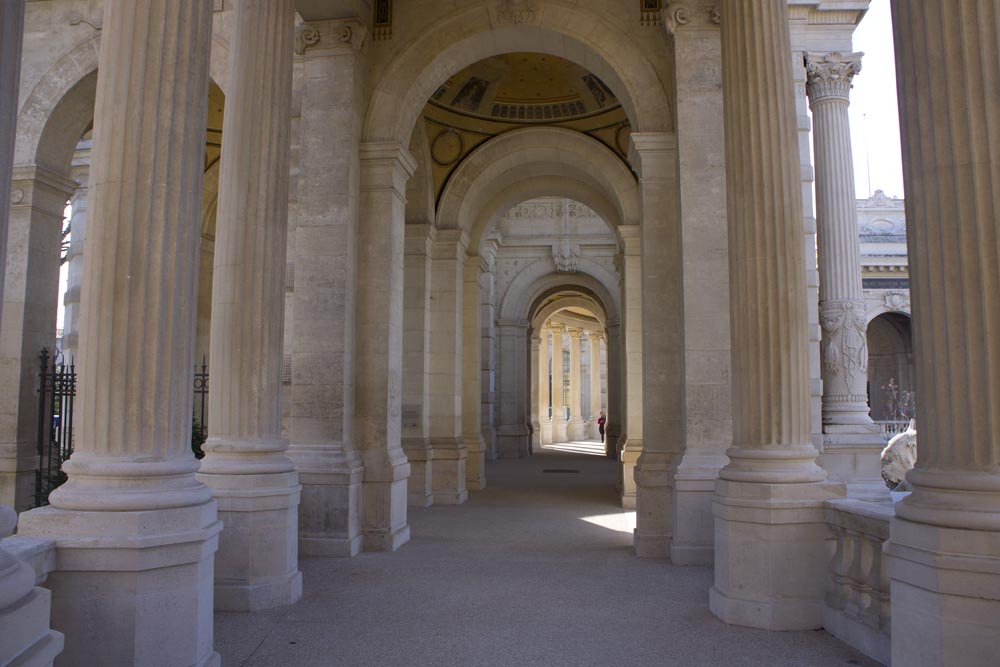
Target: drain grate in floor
x,y
559,470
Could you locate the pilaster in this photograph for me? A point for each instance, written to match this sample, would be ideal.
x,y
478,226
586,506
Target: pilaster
x,y
576,427
559,433
323,248
544,391
385,169
594,350
132,518
534,382
418,239
512,433
944,542
472,435
488,345
630,441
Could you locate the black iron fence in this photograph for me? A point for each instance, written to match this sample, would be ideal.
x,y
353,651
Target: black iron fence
x,y
56,394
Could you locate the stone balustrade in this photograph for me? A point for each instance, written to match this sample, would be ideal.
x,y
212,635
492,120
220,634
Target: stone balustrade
x,y
857,598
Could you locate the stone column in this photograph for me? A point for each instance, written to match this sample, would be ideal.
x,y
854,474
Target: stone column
x,y
771,558
533,385
512,434
654,156
558,386
79,172
24,608
594,343
697,49
544,393
576,428
135,531
852,443
472,435
612,432
416,362
252,480
487,346
445,368
944,542
385,168
630,442
323,251
30,303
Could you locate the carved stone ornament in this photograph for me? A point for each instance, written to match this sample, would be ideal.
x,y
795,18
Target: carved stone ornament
x,y
679,14
517,11
830,74
845,345
305,36
897,301
16,196
77,18
566,257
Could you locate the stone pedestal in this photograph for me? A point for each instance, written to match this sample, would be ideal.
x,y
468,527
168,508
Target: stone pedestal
x,y
576,429
630,447
135,532
472,436
445,368
385,168
252,480
24,608
944,543
416,349
771,560
654,156
321,333
852,443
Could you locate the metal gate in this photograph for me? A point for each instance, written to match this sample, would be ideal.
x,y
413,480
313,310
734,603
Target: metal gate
x,y
56,393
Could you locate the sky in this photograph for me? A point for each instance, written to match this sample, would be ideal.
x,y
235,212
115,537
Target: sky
x,y
874,115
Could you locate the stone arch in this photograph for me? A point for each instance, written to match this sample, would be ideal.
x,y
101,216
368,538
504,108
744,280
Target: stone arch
x,y
890,357
540,277
522,158
553,302
472,34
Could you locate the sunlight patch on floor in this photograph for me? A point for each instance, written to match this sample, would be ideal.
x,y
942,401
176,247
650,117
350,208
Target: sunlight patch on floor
x,y
591,447
622,522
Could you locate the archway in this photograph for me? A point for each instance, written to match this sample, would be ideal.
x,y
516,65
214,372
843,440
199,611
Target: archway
x,y
891,375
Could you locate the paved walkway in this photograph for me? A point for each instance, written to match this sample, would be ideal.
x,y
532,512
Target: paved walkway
x,y
537,569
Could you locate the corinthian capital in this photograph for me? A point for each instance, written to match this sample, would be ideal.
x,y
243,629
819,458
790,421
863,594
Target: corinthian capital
x,y
830,74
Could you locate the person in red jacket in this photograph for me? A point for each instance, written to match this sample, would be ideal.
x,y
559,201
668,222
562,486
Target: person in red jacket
x,y
601,421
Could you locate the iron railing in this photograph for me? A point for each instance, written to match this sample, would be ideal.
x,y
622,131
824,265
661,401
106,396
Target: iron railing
x,y
56,393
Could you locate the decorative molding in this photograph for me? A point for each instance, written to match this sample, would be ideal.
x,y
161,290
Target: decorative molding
x,y
694,13
897,301
540,210
566,256
336,35
517,11
16,196
845,344
447,147
881,200
76,18
829,75
305,36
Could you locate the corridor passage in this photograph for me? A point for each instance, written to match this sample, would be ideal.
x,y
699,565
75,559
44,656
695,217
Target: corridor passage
x,y
534,570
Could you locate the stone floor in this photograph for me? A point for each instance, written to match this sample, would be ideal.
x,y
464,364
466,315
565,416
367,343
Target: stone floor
x,y
535,570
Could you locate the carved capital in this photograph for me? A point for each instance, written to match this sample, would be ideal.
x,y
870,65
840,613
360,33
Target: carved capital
x,y
330,37
829,75
692,14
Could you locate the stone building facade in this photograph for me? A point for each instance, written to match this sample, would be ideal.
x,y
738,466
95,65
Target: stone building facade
x,y
362,179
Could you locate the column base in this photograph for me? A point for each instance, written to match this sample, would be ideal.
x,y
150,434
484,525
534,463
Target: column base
x,y
475,464
576,429
330,505
559,430
693,534
771,554
132,587
256,567
449,471
945,585
631,451
546,431
385,526
419,491
512,445
654,482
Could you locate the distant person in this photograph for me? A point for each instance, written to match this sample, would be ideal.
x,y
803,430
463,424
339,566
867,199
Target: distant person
x,y
601,421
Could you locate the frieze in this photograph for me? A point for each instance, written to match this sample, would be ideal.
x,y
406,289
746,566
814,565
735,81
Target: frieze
x,y
536,210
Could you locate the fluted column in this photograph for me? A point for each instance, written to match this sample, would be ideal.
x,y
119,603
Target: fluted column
x,y
533,383
576,429
594,345
11,36
385,169
79,172
558,392
132,518
245,465
944,543
320,339
852,443
544,394
770,532
445,368
472,435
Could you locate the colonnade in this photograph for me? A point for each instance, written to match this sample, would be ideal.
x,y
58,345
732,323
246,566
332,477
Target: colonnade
x,y
552,419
